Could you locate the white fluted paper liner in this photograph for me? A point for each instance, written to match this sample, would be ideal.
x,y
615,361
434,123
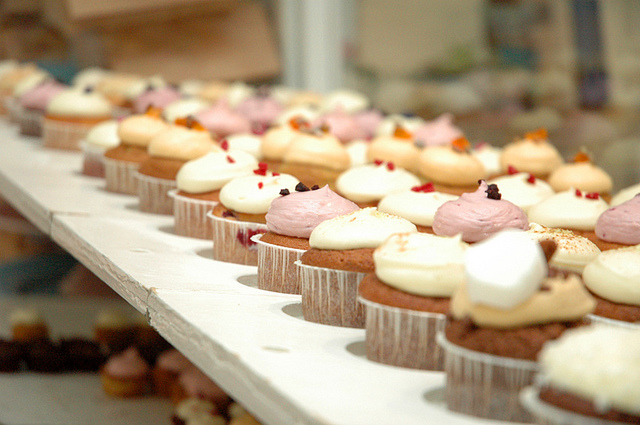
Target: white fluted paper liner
x,y
63,134
120,176
330,296
547,414
153,194
484,385
402,337
232,240
30,121
190,216
92,159
276,267
612,322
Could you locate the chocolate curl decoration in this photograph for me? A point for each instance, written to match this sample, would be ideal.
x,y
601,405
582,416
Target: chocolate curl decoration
x,y
549,247
300,187
284,192
493,192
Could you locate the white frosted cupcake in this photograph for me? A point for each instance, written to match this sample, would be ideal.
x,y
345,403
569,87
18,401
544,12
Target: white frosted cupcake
x,y
100,138
250,143
523,189
572,253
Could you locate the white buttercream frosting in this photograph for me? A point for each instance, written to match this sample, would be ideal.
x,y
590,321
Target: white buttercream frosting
x,y
307,112
181,143
183,108
365,228
138,130
249,143
517,189
388,125
523,266
211,171
104,135
572,253
599,363
615,275
625,194
567,210
421,263
357,150
417,207
490,158
371,182
81,103
252,194
350,101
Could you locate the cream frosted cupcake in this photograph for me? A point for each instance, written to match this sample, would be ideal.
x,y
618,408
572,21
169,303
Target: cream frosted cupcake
x,y
572,210
532,154
572,252
418,205
244,203
613,279
99,139
123,161
625,194
340,255
451,168
198,189
247,142
522,189
399,148
168,151
182,108
367,184
28,324
588,376
407,298
581,174
71,114
276,140
499,320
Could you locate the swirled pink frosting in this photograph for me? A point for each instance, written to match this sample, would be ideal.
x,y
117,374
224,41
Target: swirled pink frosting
x,y
298,213
476,216
222,120
173,361
369,121
38,97
196,384
621,224
128,364
158,97
439,131
261,109
342,125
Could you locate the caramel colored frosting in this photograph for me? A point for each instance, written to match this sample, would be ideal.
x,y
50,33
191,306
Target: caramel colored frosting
x,y
323,150
400,150
138,130
581,175
532,154
276,141
181,143
559,300
443,164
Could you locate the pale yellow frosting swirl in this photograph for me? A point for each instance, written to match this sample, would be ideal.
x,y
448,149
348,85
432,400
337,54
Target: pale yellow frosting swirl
x,y
181,143
138,130
401,151
323,150
276,141
581,175
442,164
615,275
537,157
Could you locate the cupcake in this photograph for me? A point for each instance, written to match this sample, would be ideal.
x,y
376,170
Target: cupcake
x,y
168,151
342,125
315,157
123,161
522,189
391,122
340,255
532,154
33,104
489,156
572,210
588,376
369,120
158,96
183,108
195,411
499,320
192,382
613,280
198,189
478,215
625,194
244,202
12,75
113,331
350,101
276,140
400,148
367,184
221,120
451,168
572,252
247,142
261,108
418,205
439,131
619,226
99,139
583,175
407,298
27,324
125,375
166,370
71,114
290,220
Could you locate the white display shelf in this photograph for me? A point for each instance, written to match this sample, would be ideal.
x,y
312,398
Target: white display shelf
x,y
254,343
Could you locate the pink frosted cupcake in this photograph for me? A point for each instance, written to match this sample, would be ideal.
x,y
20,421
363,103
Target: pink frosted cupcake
x,y
168,367
261,109
125,375
478,215
619,226
192,382
158,97
198,189
290,220
221,120
33,104
439,131
342,125
244,202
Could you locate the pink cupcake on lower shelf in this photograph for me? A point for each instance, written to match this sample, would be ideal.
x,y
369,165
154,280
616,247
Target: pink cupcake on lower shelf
x,y
244,202
125,375
290,220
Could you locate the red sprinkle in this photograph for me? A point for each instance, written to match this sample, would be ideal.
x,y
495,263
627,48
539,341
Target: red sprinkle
x,y
512,170
378,161
592,195
224,144
263,166
531,179
275,174
390,166
260,172
260,185
578,193
231,160
426,188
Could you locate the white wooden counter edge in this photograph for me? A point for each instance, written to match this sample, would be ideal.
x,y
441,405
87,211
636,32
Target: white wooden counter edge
x,y
286,370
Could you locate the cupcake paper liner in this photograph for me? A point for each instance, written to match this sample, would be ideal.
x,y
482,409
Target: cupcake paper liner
x,y
547,414
153,194
330,296
191,216
599,320
120,176
402,337
232,240
64,135
92,160
484,385
277,271
30,122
